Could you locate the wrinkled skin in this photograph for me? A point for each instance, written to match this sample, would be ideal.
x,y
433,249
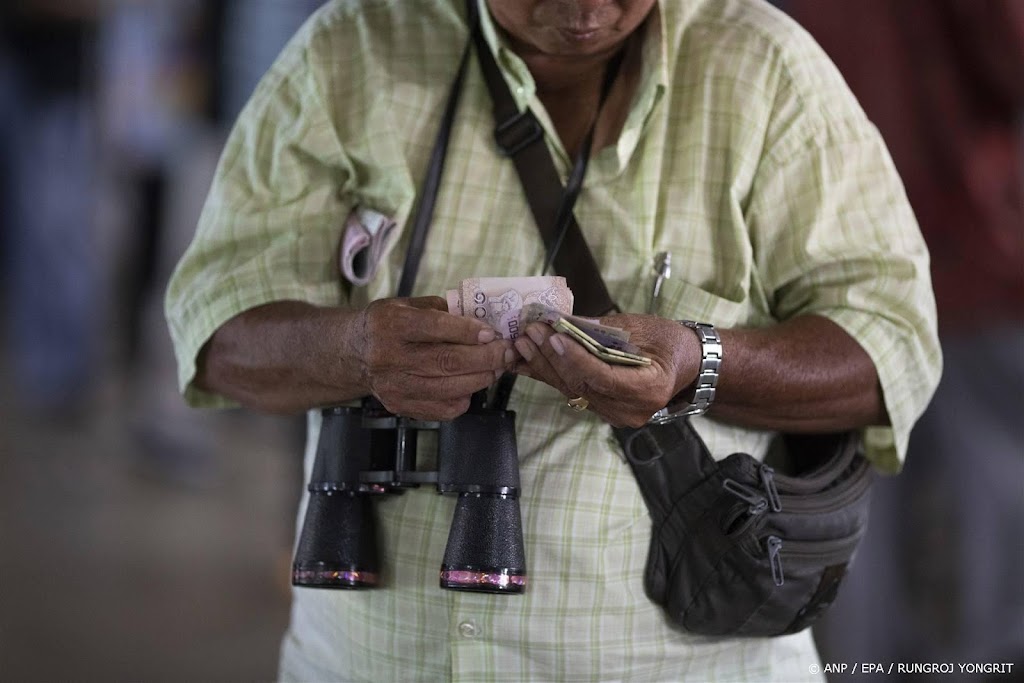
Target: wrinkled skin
x,y
623,396
422,362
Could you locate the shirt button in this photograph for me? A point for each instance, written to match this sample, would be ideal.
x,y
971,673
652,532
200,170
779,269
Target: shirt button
x,y
468,629
520,90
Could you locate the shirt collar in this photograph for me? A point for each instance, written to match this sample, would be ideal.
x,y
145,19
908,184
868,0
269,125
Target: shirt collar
x,y
513,68
653,83
653,78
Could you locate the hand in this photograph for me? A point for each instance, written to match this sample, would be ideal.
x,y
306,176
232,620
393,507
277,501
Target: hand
x,y
623,396
422,362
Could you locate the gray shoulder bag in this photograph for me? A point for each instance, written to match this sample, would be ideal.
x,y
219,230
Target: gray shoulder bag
x,y
741,548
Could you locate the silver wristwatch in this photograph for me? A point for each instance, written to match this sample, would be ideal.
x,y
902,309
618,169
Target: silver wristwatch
x,y
707,376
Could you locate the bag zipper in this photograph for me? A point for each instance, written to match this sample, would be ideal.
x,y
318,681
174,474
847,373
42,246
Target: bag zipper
x,y
768,482
824,552
760,500
758,503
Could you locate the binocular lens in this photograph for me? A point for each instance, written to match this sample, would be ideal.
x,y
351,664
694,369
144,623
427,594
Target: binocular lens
x,y
338,544
485,545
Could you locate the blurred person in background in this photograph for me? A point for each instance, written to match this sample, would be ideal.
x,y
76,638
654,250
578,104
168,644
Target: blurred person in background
x,y
194,593
157,66
153,89
173,73
52,261
939,575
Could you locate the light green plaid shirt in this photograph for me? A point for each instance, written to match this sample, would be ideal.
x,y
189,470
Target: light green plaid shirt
x,y
744,156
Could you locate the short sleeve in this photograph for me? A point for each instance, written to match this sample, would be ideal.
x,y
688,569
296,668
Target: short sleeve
x,y
270,228
834,235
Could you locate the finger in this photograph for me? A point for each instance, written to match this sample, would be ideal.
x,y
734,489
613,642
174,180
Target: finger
x,y
438,326
565,376
429,409
553,363
405,388
512,361
621,395
522,369
537,366
434,303
580,372
449,360
540,369
423,323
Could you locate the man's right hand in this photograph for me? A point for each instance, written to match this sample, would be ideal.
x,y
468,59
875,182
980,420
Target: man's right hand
x,y
418,360
422,362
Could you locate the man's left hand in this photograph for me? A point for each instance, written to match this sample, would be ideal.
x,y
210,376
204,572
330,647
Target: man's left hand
x,y
623,396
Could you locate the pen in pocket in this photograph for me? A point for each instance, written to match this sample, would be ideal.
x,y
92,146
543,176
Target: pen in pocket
x,y
663,271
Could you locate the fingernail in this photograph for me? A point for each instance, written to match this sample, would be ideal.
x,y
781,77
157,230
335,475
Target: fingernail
x,y
486,336
535,334
510,356
498,374
557,345
525,349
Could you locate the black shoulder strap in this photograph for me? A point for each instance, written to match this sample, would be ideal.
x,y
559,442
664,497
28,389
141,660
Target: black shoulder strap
x,y
432,183
519,136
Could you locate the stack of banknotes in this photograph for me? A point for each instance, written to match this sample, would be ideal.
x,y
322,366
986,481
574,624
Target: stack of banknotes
x,y
509,304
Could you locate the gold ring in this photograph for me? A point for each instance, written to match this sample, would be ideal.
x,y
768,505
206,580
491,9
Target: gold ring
x,y
578,404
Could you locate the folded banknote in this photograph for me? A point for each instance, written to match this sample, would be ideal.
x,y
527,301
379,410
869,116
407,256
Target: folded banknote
x,y
509,304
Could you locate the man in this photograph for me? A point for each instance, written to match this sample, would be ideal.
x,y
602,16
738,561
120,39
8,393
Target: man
x,y
726,139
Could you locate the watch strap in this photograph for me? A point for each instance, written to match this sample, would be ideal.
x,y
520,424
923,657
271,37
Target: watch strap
x,y
707,376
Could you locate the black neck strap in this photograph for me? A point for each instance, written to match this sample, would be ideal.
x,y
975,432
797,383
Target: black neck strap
x,y
432,183
520,136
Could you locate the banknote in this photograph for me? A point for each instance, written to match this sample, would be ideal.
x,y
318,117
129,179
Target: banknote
x,y
509,304
613,356
499,301
605,335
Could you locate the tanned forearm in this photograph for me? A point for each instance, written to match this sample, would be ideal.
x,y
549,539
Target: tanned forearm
x,y
284,357
411,354
803,375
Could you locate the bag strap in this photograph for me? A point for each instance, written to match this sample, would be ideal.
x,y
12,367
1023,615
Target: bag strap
x,y
432,182
520,137
841,451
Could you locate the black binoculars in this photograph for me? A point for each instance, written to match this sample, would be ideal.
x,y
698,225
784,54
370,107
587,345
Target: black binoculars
x,y
367,452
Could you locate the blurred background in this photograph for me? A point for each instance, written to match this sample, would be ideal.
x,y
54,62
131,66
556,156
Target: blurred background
x,y
142,541
139,540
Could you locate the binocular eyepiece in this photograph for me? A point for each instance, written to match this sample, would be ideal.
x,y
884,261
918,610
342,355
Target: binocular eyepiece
x,y
366,452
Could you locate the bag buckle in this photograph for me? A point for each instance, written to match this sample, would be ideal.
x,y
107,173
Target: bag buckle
x,y
517,133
